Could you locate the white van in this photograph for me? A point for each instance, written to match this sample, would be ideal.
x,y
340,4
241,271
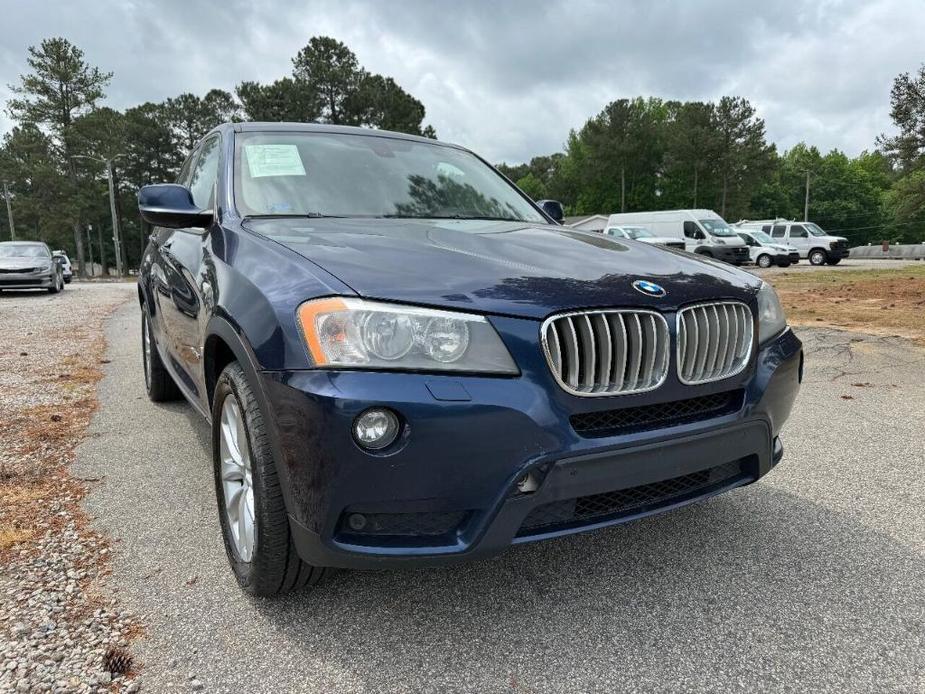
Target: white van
x,y
808,238
703,231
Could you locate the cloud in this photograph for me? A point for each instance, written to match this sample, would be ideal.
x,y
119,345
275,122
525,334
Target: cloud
x,y
511,79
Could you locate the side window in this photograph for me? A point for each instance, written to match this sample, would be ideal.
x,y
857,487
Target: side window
x,y
778,231
766,228
798,231
690,230
202,182
613,231
183,176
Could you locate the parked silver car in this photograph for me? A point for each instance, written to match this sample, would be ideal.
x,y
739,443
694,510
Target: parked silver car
x,y
29,265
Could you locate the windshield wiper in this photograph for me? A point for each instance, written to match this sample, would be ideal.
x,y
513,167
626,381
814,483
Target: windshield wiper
x,y
453,216
303,215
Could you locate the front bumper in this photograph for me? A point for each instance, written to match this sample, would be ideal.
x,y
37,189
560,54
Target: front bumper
x,y
448,490
26,280
737,255
839,252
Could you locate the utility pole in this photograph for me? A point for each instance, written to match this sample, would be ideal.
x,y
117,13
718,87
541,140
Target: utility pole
x,y
806,203
90,247
116,234
9,210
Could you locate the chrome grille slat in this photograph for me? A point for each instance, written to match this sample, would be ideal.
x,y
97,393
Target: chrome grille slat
x,y
571,353
586,365
714,341
604,351
607,352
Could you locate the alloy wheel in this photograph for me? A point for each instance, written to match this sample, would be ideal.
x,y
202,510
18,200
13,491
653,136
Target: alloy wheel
x,y
237,478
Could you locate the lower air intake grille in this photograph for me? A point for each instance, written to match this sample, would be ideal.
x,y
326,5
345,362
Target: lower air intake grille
x,y
600,507
612,422
426,524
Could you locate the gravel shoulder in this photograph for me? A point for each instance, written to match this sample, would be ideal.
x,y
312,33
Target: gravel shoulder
x,y
58,631
811,580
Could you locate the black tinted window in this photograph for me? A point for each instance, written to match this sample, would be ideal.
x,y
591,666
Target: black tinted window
x,y
690,230
766,228
778,231
798,232
202,182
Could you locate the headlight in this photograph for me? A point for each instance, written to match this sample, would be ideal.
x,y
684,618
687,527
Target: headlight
x,y
354,333
771,318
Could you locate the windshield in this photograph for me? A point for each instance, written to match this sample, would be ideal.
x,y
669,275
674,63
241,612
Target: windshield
x,y
337,175
717,227
23,250
814,229
761,237
638,233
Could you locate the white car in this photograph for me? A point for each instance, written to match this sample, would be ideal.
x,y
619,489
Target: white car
x,y
808,238
765,252
644,235
65,265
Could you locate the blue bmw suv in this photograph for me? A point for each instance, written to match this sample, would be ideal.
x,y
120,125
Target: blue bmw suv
x,y
405,361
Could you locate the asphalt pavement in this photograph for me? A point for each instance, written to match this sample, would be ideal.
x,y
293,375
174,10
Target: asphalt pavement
x,y
812,579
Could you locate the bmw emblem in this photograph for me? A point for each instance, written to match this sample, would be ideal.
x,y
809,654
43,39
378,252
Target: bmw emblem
x,y
649,288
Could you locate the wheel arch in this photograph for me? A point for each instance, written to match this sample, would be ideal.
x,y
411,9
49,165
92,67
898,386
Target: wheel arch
x,y
222,345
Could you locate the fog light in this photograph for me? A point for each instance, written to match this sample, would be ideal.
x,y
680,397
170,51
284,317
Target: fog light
x,y
375,428
356,521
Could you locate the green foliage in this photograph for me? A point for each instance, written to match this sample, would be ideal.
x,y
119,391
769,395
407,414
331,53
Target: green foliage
x,y
285,100
329,85
907,101
190,117
60,87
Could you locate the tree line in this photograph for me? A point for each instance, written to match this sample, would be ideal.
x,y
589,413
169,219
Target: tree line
x,y
637,154
652,154
54,160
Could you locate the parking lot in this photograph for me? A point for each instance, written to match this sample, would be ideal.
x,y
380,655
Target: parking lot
x,y
810,580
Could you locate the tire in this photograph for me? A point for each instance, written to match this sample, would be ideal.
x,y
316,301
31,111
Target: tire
x,y
58,285
67,280
817,256
263,558
159,384
833,261
763,260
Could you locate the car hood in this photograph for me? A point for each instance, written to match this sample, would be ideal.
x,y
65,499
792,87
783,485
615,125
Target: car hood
x,y
507,268
22,263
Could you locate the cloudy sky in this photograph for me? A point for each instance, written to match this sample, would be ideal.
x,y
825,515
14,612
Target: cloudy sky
x,y
510,78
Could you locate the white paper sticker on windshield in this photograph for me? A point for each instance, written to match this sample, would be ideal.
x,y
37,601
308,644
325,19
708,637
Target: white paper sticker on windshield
x,y
274,160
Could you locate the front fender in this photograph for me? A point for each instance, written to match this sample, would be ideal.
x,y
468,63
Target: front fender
x,y
220,330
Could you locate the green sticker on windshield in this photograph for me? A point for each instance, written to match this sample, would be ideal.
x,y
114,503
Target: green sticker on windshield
x,y
273,160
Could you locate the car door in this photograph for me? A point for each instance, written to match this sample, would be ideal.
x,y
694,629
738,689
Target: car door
x,y
186,275
799,237
159,284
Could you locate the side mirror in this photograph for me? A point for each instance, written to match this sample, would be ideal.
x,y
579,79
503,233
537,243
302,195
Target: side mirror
x,y
553,208
171,205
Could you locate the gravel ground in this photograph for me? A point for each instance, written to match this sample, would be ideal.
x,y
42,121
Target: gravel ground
x,y
845,264
55,625
811,580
